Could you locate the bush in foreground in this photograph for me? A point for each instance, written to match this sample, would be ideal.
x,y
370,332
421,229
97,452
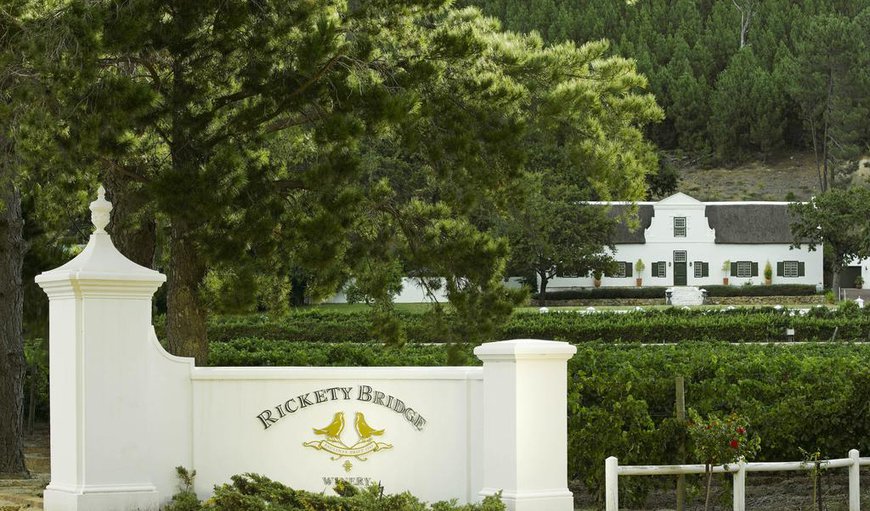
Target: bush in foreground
x,y
253,492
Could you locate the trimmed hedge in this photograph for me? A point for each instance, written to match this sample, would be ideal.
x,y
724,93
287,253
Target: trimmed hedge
x,y
650,326
605,293
276,352
615,293
621,398
773,290
676,325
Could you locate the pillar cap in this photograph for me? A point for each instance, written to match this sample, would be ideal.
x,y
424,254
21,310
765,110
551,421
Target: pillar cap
x,y
100,260
525,349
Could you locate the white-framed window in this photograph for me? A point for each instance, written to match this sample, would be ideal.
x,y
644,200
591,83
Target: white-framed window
x,y
679,227
620,270
790,269
702,269
659,269
744,269
623,270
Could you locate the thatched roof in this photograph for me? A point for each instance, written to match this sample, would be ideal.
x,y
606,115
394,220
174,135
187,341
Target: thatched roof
x,y
751,223
621,233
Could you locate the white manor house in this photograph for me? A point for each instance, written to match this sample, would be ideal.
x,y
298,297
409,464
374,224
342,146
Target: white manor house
x,y
686,242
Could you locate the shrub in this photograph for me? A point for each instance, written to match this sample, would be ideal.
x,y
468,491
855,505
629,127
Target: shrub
x,y
611,293
660,325
255,492
772,290
621,397
606,293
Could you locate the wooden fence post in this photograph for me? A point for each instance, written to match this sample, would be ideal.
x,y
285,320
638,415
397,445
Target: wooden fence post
x,y
611,484
740,486
681,418
854,482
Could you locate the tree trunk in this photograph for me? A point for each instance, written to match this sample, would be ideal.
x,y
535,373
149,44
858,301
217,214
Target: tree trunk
x,y
185,317
13,367
134,235
542,292
835,283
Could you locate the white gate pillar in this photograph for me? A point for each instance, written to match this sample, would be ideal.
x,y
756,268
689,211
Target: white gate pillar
x,y
525,424
99,323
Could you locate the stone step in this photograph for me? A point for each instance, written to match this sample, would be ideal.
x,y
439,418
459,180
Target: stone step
x,y
685,295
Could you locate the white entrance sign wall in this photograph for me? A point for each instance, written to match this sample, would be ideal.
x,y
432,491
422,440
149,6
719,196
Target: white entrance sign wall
x,y
125,412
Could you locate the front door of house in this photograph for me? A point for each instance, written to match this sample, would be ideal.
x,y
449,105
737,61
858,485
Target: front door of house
x,y
680,268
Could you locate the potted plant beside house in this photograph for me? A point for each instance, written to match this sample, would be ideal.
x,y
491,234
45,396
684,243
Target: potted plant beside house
x,y
596,278
859,282
726,270
638,268
768,274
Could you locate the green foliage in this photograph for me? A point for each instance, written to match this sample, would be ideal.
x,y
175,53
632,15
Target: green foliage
x,y
793,76
621,400
720,441
659,292
592,150
621,397
837,219
828,81
664,182
185,499
253,492
36,382
655,325
272,352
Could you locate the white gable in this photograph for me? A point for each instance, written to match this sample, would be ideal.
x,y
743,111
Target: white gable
x,y
692,213
679,198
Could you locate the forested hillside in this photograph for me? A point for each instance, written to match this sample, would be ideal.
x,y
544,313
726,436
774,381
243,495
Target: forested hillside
x,y
738,79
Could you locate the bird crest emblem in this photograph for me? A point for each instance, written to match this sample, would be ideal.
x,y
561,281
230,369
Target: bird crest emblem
x,y
334,445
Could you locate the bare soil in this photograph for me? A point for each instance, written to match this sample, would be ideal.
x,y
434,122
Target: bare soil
x,y
26,494
787,491
785,177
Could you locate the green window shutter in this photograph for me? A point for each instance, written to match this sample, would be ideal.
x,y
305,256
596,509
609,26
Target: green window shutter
x,y
734,269
654,271
780,269
628,268
754,269
706,271
801,269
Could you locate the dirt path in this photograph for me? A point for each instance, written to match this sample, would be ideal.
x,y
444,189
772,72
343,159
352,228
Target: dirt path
x,y
26,494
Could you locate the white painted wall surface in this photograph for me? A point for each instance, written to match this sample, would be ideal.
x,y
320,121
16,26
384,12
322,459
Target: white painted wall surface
x,y
435,461
125,413
865,270
413,292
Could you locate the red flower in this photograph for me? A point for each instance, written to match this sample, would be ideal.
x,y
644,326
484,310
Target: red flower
x,y
741,430
734,444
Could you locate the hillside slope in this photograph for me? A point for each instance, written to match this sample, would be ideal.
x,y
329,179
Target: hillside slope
x,y
784,178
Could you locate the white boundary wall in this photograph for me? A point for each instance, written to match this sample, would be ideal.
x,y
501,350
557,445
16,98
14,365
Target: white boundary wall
x,y
124,413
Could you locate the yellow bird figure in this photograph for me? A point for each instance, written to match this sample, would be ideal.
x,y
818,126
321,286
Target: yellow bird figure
x,y
334,429
365,431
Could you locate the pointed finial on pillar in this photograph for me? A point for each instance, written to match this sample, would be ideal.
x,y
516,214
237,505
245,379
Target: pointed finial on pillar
x,y
100,210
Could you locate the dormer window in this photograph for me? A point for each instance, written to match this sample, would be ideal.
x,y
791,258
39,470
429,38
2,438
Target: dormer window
x,y
679,227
